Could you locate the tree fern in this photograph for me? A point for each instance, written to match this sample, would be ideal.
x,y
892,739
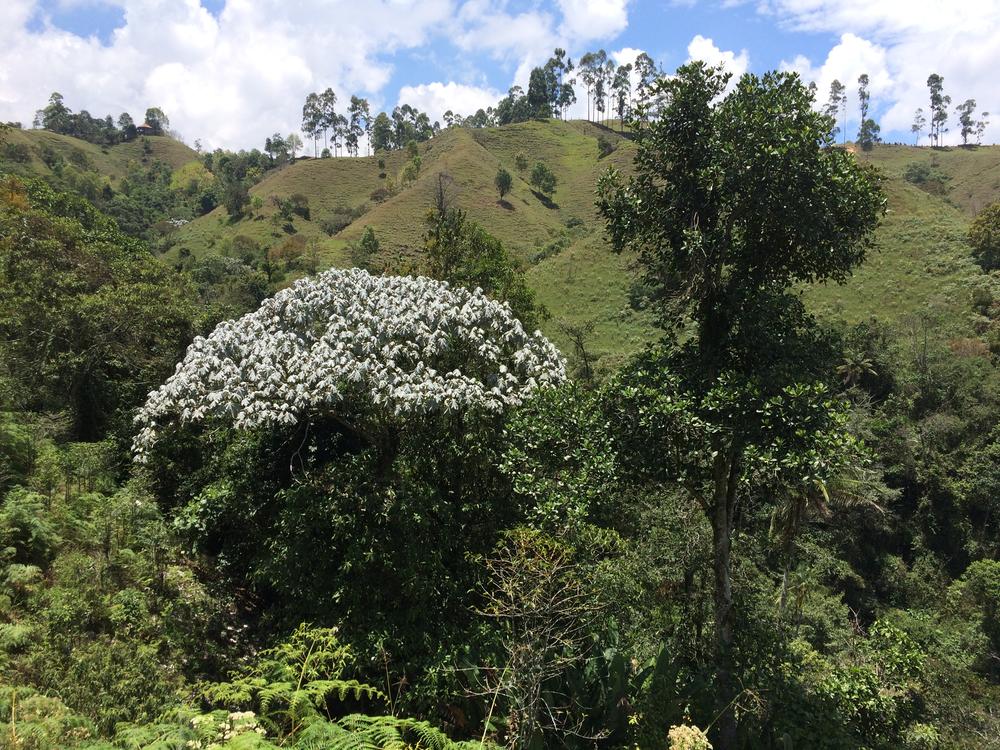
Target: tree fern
x,y
284,701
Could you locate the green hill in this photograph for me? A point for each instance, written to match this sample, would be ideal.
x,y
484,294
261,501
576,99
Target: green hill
x,y
921,269
33,152
560,241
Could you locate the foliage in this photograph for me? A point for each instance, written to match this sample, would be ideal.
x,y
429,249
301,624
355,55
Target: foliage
x,y
108,318
503,182
730,229
447,351
984,236
461,252
544,574
543,179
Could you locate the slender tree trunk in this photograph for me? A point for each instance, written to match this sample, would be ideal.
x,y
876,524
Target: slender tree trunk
x,y
725,476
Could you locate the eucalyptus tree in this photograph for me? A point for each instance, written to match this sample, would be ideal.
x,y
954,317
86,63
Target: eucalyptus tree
x,y
358,124
328,112
567,95
592,74
835,105
556,69
981,125
312,118
939,107
646,74
293,143
919,123
967,123
736,201
868,129
622,88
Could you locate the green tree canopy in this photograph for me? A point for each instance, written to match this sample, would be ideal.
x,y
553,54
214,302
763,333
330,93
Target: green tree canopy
x,y
735,199
503,182
89,320
543,179
984,236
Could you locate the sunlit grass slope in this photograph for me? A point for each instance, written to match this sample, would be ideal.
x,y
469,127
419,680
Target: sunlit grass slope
x,y
110,161
921,267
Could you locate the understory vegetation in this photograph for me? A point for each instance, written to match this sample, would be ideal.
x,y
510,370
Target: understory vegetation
x,y
248,504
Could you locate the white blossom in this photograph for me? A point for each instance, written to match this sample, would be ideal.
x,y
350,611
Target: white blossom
x,y
409,344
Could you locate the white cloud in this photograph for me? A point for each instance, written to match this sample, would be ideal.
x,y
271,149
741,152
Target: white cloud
x,y
229,80
902,42
233,78
846,62
704,49
527,39
437,98
584,20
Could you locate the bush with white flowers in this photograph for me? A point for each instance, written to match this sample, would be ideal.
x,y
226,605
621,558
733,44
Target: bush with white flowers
x,y
410,345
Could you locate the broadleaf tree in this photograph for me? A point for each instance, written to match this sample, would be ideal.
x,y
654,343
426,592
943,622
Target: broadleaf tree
x,y
735,201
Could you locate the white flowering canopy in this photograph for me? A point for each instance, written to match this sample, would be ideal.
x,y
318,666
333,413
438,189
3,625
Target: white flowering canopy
x,y
409,344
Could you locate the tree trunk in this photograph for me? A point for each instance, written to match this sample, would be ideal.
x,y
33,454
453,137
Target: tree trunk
x,y
725,474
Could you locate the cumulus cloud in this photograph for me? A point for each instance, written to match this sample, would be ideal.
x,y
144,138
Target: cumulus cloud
x,y
584,20
436,98
899,43
527,38
704,49
229,80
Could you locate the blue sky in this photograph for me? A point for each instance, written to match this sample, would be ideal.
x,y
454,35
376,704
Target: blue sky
x,y
230,72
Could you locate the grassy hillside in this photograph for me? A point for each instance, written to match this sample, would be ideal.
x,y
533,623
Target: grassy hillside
x,y
921,268
560,240
110,161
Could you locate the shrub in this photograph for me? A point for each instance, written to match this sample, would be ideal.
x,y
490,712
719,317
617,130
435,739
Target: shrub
x,y
543,179
605,146
984,236
16,152
927,177
300,205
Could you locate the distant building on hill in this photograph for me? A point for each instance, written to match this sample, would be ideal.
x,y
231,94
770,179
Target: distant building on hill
x,y
146,129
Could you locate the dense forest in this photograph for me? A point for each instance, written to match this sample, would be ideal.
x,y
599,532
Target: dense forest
x,y
253,501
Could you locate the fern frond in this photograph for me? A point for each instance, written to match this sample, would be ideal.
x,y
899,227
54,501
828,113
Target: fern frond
x,y
344,688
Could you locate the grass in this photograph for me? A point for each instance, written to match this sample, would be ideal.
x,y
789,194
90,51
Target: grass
x,y
921,268
111,161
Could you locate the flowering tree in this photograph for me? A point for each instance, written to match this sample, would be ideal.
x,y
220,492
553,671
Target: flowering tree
x,y
405,345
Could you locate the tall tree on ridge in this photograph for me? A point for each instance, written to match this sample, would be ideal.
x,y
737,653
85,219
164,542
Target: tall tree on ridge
x,y
586,66
965,112
622,88
538,94
835,104
868,129
981,126
293,143
156,119
358,123
646,73
919,122
312,118
328,112
939,107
